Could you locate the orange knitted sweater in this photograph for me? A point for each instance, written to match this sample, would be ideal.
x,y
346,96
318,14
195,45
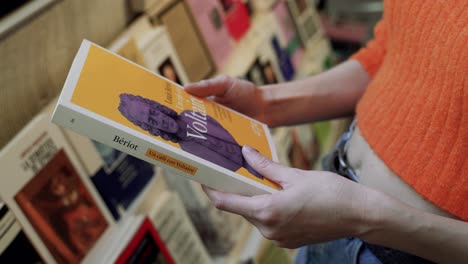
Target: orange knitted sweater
x,y
414,113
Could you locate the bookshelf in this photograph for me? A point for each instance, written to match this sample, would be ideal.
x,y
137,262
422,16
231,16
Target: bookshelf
x,y
37,50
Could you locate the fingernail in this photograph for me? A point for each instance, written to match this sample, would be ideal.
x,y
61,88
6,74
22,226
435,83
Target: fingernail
x,y
247,151
195,83
190,85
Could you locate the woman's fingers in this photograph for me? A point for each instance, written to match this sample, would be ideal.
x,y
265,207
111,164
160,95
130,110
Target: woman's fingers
x,y
212,87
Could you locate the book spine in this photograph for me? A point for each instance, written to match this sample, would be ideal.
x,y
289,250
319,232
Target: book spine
x,y
155,154
176,229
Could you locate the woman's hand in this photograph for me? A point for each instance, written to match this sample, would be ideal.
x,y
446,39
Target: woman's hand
x,y
328,95
318,206
240,95
312,207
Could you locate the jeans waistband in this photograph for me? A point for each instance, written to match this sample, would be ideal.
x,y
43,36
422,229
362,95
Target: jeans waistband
x,y
337,162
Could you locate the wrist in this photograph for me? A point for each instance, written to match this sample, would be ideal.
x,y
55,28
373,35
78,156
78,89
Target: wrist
x,y
266,102
383,216
370,218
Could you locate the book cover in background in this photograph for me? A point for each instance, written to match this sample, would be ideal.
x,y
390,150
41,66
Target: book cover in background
x,y
51,195
306,19
209,17
135,241
161,57
142,5
120,104
269,64
237,18
119,178
262,5
255,73
176,230
141,243
184,35
288,32
15,246
151,48
127,47
263,31
256,60
284,60
137,29
217,229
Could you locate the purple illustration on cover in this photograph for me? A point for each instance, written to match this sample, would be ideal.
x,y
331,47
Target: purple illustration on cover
x,y
209,141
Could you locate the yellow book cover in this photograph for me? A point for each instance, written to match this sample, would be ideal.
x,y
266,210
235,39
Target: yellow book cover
x,y
129,108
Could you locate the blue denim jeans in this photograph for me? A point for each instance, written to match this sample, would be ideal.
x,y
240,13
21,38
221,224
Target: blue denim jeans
x,y
346,250
342,251
349,250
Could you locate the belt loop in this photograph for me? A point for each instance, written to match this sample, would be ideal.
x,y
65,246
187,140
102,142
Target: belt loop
x,y
351,129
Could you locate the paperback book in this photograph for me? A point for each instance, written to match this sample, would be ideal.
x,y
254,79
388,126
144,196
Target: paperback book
x,y
150,47
136,241
15,246
288,32
217,229
51,195
119,178
176,230
269,64
160,55
236,18
209,17
129,108
306,19
176,17
126,46
256,73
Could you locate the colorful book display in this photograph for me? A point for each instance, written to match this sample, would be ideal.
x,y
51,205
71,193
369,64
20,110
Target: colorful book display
x,y
288,31
176,230
209,17
150,47
255,73
74,196
160,56
139,243
269,63
284,60
51,195
266,33
127,47
184,35
237,18
155,120
119,178
217,229
306,19
255,58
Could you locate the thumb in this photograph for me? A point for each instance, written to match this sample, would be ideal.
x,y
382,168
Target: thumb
x,y
213,87
266,167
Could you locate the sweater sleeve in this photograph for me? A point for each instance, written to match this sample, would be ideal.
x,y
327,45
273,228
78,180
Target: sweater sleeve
x,y
372,55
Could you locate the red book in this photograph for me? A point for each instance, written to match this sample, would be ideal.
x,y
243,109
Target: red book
x,y
237,18
145,246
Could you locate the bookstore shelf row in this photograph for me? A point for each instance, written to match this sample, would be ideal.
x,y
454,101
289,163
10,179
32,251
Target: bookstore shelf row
x,y
66,198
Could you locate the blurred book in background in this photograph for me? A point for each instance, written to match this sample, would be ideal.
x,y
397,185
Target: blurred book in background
x,y
15,246
51,195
